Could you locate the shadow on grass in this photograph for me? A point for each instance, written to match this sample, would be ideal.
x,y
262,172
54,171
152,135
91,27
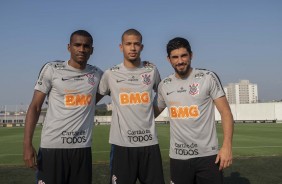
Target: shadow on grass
x,y
245,170
236,178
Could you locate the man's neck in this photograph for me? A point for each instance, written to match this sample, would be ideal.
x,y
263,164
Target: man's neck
x,y
184,76
132,64
76,65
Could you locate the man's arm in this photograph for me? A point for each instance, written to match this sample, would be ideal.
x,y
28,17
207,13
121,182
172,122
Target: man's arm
x,y
32,116
157,111
98,97
224,156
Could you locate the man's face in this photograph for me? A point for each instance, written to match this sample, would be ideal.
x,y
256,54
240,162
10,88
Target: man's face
x,y
131,47
80,49
180,60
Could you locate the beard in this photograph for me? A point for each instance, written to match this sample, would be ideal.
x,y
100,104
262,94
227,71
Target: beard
x,y
184,72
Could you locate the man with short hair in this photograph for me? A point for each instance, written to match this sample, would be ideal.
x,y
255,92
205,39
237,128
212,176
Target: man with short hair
x,y
190,95
135,152
65,150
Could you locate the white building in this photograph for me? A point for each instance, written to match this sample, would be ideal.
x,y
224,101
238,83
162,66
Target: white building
x,y
243,92
109,107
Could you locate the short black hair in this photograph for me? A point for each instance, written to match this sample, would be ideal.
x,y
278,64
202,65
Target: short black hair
x,y
177,43
131,32
82,33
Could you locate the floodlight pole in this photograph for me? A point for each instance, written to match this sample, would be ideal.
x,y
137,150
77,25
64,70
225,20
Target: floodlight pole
x,y
5,114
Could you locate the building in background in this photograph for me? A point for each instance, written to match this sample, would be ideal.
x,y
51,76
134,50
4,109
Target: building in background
x,y
243,92
109,107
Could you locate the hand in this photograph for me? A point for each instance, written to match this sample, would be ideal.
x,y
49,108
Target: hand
x,y
30,157
224,158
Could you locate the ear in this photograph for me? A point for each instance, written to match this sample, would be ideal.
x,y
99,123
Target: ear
x,y
68,47
142,46
168,59
92,50
191,55
121,47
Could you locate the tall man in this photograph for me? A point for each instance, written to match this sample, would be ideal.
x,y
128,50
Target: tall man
x,y
65,150
190,95
135,151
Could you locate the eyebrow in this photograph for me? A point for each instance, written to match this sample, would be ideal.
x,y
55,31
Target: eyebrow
x,y
176,56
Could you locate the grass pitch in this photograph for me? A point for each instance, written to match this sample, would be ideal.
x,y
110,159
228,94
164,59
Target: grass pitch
x,y
257,150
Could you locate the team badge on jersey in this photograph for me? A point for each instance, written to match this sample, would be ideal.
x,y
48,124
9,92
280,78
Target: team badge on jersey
x,y
146,79
194,89
91,79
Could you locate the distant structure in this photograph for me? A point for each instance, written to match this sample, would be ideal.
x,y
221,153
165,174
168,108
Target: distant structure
x,y
243,92
109,107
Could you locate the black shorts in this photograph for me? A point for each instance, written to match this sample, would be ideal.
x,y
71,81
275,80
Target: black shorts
x,y
201,170
64,166
131,163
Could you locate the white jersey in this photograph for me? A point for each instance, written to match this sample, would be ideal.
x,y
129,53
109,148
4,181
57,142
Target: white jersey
x,y
191,110
131,90
71,104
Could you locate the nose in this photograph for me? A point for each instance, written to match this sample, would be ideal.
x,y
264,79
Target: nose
x,y
179,59
132,47
81,48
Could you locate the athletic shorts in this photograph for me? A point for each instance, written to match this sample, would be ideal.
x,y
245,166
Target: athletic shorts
x,y
131,163
201,170
64,166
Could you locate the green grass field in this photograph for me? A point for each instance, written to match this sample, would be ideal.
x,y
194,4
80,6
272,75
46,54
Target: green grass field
x,y
257,150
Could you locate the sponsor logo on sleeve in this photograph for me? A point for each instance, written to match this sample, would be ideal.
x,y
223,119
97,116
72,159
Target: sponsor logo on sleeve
x,y
59,66
167,81
199,75
115,68
149,66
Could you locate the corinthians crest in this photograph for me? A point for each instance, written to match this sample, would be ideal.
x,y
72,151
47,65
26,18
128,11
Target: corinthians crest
x,y
194,89
91,79
146,79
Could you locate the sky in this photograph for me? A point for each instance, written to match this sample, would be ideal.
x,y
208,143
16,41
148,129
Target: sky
x,y
238,40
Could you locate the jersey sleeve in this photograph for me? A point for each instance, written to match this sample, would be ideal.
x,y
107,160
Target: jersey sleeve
x,y
157,80
104,88
216,89
159,100
44,81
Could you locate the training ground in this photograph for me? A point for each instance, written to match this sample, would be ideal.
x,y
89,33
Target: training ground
x,y
257,151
